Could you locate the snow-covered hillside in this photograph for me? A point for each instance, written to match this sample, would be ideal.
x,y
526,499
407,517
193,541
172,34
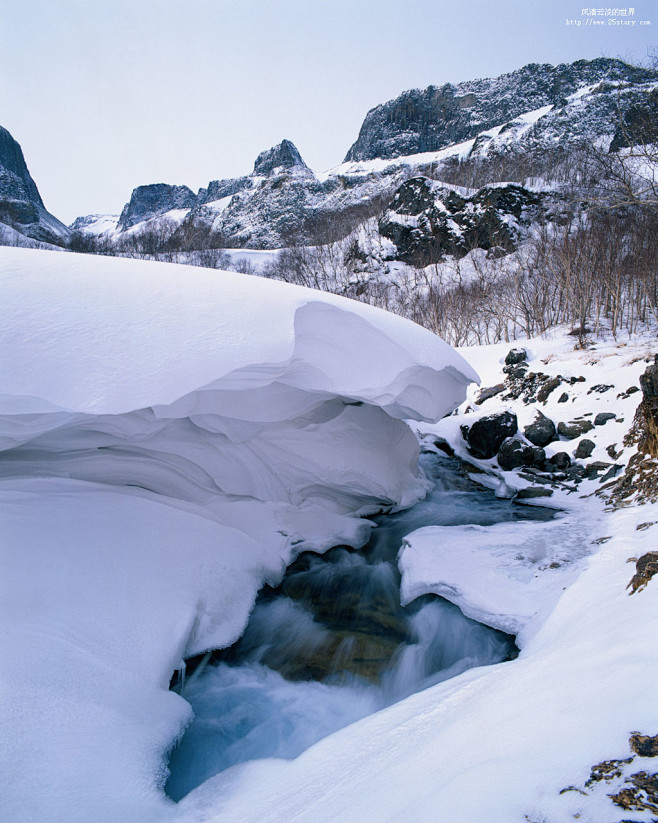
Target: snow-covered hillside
x,y
171,440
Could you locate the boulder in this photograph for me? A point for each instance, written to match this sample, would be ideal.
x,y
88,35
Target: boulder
x,y
574,428
561,461
549,386
541,431
585,449
487,434
602,418
515,356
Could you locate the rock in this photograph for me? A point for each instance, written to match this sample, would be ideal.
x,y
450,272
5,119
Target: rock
x,y
593,469
574,428
531,492
430,119
486,435
550,385
632,389
21,206
602,418
612,472
643,745
487,393
585,449
151,201
560,460
563,397
444,446
515,356
541,431
426,221
283,156
645,568
512,454
600,388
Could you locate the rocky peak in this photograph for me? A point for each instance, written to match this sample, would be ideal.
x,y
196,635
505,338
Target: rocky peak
x,y
21,206
15,180
152,200
424,120
283,156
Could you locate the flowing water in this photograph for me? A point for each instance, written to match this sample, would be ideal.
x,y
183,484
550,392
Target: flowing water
x,y
332,644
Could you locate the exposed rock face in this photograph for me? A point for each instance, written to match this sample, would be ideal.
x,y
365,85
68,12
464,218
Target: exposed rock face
x,y
21,206
153,200
426,220
436,117
218,189
486,435
283,156
641,475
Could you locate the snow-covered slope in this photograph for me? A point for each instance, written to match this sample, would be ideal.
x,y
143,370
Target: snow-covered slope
x,y
171,439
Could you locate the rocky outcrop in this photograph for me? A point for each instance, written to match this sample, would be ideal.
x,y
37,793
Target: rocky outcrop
x,y
283,156
151,201
21,206
427,221
436,117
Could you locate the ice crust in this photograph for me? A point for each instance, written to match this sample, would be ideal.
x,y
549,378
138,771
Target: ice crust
x,y
171,438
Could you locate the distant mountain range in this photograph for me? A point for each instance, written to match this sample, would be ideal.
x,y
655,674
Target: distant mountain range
x,y
513,128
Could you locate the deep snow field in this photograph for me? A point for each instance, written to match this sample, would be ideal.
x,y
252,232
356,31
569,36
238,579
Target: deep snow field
x,y
174,437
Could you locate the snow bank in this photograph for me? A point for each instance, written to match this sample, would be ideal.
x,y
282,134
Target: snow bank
x,y
502,575
171,437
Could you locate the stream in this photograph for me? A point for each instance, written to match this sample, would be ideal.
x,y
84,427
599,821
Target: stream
x,y
331,644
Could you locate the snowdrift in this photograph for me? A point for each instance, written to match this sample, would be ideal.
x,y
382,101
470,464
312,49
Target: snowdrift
x,y
171,438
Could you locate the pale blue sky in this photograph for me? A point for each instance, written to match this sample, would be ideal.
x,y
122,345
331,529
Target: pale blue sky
x,y
105,96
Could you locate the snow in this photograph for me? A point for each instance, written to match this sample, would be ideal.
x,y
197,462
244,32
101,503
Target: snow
x,y
172,438
504,575
96,224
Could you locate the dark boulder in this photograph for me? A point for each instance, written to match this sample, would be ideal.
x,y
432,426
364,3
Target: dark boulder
x,y
585,449
561,461
574,428
514,453
487,434
602,418
541,431
515,356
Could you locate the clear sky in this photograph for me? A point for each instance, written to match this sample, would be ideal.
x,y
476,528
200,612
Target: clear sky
x,y
106,95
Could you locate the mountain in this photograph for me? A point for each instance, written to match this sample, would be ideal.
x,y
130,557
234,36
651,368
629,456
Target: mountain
x,y
532,128
436,117
23,216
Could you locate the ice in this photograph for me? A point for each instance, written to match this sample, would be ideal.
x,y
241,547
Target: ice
x,y
171,438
